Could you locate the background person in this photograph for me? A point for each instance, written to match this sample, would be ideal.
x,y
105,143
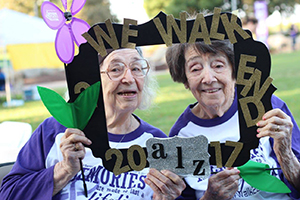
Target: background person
x,y
251,24
208,72
2,80
293,34
48,168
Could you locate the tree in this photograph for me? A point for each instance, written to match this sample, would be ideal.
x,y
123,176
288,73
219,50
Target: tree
x,y
154,7
94,11
23,6
192,6
176,6
286,6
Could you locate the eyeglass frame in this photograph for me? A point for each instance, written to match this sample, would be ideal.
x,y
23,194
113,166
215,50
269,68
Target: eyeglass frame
x,y
126,66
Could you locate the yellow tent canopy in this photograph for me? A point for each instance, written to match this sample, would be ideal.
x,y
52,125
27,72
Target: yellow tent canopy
x,y
30,56
28,41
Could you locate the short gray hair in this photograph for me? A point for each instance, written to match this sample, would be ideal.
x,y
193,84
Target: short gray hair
x,y
175,56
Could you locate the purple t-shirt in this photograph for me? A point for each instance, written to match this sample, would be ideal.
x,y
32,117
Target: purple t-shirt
x,y
226,127
32,175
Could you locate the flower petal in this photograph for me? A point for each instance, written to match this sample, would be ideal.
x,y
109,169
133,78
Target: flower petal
x,y
64,44
78,27
76,6
52,15
65,4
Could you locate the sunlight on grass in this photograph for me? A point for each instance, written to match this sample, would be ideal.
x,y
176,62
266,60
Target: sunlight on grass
x,y
288,93
173,96
32,112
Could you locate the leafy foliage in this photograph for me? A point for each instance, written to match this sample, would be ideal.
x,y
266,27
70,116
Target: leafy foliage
x,y
94,11
192,6
176,6
287,5
23,6
154,7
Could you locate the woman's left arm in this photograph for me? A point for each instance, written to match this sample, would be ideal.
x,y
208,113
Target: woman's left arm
x,y
278,125
165,184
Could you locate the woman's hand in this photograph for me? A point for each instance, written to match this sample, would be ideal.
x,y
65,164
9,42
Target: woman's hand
x,y
278,125
165,184
222,185
72,150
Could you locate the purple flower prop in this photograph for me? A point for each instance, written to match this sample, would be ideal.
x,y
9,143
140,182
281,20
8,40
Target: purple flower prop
x,y
67,32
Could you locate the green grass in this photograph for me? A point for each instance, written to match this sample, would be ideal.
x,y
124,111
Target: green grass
x,y
32,112
286,74
173,98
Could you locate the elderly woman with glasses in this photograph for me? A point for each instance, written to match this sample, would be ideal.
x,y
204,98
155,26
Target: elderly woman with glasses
x,y
125,85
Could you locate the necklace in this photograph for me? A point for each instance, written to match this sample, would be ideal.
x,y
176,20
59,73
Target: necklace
x,y
126,132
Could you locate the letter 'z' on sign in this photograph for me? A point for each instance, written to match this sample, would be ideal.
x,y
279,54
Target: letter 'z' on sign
x,y
175,154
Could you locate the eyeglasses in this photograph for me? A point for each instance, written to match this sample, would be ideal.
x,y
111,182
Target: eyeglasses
x,y
116,70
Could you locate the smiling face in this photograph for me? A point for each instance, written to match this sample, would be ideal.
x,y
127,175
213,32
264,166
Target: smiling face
x,y
125,94
209,77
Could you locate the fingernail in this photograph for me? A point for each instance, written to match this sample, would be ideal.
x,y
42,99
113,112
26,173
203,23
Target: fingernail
x,y
89,141
257,124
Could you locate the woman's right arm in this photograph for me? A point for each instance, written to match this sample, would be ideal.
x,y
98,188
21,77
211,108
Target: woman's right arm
x,y
29,178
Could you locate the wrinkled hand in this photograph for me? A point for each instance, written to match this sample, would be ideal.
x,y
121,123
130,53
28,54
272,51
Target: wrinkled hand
x,y
222,185
72,149
278,125
165,184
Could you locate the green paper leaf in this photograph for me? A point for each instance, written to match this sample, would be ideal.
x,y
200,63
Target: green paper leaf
x,y
256,175
71,115
57,106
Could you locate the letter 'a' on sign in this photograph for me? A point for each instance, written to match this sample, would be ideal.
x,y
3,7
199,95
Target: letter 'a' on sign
x,y
183,156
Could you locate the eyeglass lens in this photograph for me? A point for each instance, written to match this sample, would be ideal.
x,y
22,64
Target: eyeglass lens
x,y
138,68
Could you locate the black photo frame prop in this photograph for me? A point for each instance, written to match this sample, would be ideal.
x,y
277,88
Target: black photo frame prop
x,y
252,63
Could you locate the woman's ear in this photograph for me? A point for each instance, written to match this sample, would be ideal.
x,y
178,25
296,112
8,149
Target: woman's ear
x,y
186,85
234,80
